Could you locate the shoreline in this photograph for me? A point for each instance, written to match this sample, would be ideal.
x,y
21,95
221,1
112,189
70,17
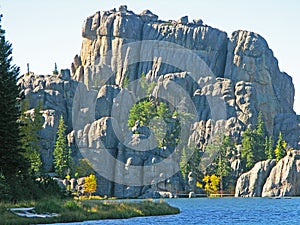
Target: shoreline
x,y
84,210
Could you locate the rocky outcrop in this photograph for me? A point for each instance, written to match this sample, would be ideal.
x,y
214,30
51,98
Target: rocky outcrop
x,y
250,184
268,179
56,93
284,179
248,78
221,82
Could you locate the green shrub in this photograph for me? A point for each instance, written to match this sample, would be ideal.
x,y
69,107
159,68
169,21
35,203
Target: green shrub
x,y
51,205
72,205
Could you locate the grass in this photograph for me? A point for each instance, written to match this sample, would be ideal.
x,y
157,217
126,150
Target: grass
x,y
77,211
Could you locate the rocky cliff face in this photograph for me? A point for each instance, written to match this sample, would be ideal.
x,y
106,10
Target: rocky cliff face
x,y
223,81
268,179
250,184
284,178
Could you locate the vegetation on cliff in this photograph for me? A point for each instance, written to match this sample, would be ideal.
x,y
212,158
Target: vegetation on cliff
x,y
22,166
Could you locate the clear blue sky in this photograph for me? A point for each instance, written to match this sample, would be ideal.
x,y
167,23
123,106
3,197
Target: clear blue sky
x,y
44,32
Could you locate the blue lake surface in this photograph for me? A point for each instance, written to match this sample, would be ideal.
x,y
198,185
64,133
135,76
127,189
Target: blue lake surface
x,y
222,211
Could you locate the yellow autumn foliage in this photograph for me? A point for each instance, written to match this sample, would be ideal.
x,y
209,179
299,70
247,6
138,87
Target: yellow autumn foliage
x,y
90,184
211,183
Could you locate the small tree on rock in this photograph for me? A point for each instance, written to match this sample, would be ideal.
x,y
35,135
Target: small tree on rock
x,y
55,71
269,151
280,150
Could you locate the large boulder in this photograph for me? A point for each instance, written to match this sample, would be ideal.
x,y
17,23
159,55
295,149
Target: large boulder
x,y
250,184
268,179
284,179
103,134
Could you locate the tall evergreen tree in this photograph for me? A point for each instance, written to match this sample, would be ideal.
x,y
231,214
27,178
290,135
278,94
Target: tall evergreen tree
x,y
62,152
30,139
223,163
259,139
247,152
253,144
190,162
12,162
280,150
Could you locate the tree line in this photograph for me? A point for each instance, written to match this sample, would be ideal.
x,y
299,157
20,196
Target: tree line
x,y
22,175
256,146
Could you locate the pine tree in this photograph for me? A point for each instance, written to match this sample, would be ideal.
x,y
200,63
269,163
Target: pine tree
x,y
223,163
190,162
126,82
55,71
247,154
253,144
259,140
62,152
280,150
269,147
142,111
12,163
30,139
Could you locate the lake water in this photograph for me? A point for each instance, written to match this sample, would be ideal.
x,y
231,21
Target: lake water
x,y
222,211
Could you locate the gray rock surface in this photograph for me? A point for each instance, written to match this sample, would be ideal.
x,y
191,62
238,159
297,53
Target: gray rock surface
x,y
284,179
271,179
250,183
233,80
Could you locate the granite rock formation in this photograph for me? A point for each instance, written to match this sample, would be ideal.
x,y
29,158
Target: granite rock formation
x,y
284,179
250,184
271,179
225,81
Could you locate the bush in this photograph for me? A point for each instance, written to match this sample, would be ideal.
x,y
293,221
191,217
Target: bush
x,y
27,188
72,205
49,205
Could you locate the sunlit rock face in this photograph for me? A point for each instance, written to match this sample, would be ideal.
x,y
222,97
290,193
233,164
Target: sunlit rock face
x,y
224,81
271,179
284,178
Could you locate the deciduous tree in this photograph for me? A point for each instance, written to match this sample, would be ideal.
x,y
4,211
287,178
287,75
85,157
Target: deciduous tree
x,y
211,183
90,184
